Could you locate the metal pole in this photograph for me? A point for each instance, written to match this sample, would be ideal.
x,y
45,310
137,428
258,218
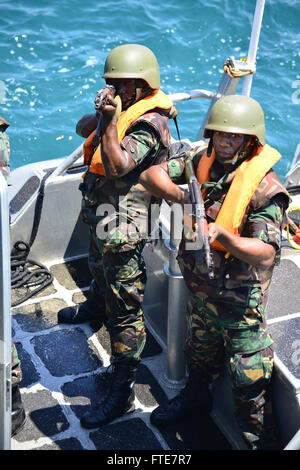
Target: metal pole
x,y
175,377
191,94
5,320
65,164
256,27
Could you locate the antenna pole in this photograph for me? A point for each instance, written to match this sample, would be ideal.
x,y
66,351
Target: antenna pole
x,y
256,27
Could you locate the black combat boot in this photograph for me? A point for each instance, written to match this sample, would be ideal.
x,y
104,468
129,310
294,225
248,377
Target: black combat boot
x,y
118,401
87,311
18,416
193,399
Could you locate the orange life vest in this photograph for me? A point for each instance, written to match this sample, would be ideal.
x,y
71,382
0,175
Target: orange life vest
x,y
246,179
157,100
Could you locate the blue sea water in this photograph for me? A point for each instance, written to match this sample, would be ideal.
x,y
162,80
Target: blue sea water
x,y
52,55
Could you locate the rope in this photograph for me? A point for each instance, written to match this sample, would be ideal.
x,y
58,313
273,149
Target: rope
x,y
21,276
293,225
228,68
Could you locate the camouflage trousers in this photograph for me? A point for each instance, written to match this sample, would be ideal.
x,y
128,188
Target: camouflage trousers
x,y
119,279
16,371
235,335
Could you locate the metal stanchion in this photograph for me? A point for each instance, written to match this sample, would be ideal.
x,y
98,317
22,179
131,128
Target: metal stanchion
x,y
175,376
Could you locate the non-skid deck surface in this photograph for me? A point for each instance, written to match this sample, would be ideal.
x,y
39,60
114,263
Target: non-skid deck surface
x,y
62,369
284,313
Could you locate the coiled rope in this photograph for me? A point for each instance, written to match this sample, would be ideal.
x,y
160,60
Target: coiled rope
x,y
21,275
293,226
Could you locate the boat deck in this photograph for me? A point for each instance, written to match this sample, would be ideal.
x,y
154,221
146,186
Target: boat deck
x,y
62,366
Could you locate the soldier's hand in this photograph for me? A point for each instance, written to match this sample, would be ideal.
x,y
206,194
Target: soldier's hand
x,y
110,107
214,231
113,108
100,100
186,197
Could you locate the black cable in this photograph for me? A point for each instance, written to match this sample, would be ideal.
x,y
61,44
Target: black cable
x,y
21,276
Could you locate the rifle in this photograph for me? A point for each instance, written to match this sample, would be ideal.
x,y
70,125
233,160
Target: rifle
x,y
199,217
100,102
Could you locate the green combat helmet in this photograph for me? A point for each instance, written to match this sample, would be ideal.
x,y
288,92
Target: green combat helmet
x,y
237,114
133,61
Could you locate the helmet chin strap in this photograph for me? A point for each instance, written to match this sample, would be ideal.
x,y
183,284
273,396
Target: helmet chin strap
x,y
138,94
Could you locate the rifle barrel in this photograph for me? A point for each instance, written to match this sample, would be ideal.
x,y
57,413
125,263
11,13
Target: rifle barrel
x,y
199,215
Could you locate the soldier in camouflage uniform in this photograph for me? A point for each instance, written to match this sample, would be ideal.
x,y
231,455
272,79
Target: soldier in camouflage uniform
x,y
227,315
117,209
18,412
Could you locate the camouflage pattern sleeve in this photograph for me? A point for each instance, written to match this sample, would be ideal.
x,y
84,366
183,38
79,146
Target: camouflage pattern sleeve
x,y
176,164
4,151
140,143
176,168
265,223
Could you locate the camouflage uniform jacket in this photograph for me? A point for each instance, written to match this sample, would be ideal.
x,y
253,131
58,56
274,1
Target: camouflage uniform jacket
x,y
4,150
127,202
236,282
